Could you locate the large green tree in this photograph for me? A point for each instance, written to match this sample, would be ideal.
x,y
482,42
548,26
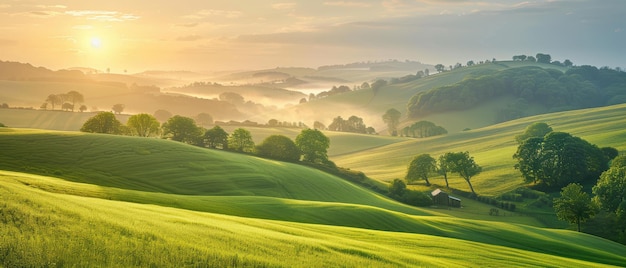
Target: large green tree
x,y
463,164
183,129
216,137
279,147
103,122
314,145
392,118
241,140
574,205
143,125
559,159
529,158
420,167
610,191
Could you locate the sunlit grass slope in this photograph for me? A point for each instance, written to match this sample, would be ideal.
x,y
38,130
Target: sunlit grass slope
x,y
492,147
154,165
42,228
53,120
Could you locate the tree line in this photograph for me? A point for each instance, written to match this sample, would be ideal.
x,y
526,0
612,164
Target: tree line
x,y
310,145
579,87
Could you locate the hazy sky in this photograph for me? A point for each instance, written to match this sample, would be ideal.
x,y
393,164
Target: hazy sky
x,y
250,34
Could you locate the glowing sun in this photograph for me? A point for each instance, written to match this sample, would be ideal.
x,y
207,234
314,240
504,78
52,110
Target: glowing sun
x,y
96,42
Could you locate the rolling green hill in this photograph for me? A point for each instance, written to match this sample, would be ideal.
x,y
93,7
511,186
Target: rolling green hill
x,y
161,166
492,147
37,214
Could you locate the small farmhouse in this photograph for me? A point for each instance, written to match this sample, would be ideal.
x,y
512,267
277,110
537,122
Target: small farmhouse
x,y
443,199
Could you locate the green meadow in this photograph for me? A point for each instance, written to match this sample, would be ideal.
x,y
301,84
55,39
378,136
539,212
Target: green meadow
x,y
39,213
492,148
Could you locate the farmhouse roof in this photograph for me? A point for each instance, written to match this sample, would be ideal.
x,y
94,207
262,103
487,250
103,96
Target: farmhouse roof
x,y
454,198
436,192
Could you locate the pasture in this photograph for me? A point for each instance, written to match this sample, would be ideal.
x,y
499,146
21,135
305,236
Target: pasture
x,y
101,232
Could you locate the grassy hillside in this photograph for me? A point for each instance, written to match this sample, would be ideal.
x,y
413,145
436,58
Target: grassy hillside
x,y
53,120
100,232
492,147
161,166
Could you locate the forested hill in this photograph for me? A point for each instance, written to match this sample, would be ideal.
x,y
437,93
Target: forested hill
x,y
578,87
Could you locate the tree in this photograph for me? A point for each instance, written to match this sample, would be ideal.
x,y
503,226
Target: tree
x,y
279,147
272,123
377,85
319,125
470,63
67,106
543,58
529,158
118,108
82,108
103,122
442,167
538,130
204,119
241,140
53,99
420,167
314,145
74,97
426,72
440,67
574,205
143,125
568,63
610,191
559,159
216,138
397,188
365,85
464,164
162,115
392,118
183,129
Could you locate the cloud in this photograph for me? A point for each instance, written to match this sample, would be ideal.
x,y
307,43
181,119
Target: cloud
x,y
82,27
188,25
7,42
283,6
193,37
204,13
102,15
346,4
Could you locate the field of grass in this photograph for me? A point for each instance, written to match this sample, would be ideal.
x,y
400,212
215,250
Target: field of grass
x,y
492,148
101,232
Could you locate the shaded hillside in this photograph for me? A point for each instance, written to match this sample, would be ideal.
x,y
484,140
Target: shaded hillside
x,y
576,88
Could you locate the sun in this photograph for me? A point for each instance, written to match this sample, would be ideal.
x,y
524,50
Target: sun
x,y
96,42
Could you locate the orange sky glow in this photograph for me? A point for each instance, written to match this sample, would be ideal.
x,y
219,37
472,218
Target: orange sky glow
x,y
231,35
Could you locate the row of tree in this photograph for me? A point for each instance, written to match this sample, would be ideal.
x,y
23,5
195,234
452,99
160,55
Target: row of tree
x,y
354,124
424,165
310,145
423,129
67,101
